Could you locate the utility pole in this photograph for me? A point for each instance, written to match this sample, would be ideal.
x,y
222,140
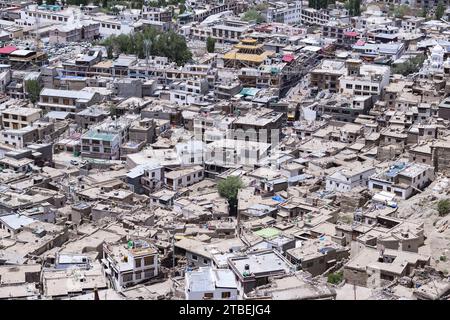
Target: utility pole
x,y
173,252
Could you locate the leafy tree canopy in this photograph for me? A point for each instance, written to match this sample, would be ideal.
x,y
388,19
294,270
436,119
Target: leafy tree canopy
x,y
229,188
253,15
166,44
34,89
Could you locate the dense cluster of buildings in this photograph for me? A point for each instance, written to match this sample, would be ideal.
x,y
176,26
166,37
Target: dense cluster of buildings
x,y
336,126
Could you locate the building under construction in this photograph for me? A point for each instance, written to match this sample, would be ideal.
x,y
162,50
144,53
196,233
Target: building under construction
x,y
284,72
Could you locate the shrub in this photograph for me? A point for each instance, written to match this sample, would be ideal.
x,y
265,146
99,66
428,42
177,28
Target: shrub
x,y
335,277
443,207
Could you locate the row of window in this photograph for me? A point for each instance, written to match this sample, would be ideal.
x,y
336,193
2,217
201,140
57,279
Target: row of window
x,y
65,101
105,143
358,87
14,117
110,26
96,149
188,178
14,125
127,277
148,261
46,16
195,258
210,295
12,137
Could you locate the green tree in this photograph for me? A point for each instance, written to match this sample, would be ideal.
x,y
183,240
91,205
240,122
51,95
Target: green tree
x,y
181,8
109,52
443,207
354,7
357,7
210,44
423,13
166,44
335,277
401,11
440,9
320,4
228,188
412,65
253,15
261,6
33,89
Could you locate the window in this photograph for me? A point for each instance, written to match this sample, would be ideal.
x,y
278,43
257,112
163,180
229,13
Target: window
x,y
127,277
194,257
138,263
148,260
377,186
138,275
226,295
148,273
348,86
208,295
205,261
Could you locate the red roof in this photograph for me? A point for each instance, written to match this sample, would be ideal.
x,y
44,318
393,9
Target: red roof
x,y
288,58
7,49
351,34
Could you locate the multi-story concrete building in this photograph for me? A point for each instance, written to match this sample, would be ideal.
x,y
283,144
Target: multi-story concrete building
x,y
403,179
289,13
17,118
66,100
85,30
103,141
156,14
45,14
220,284
364,79
326,76
128,264
345,180
183,177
